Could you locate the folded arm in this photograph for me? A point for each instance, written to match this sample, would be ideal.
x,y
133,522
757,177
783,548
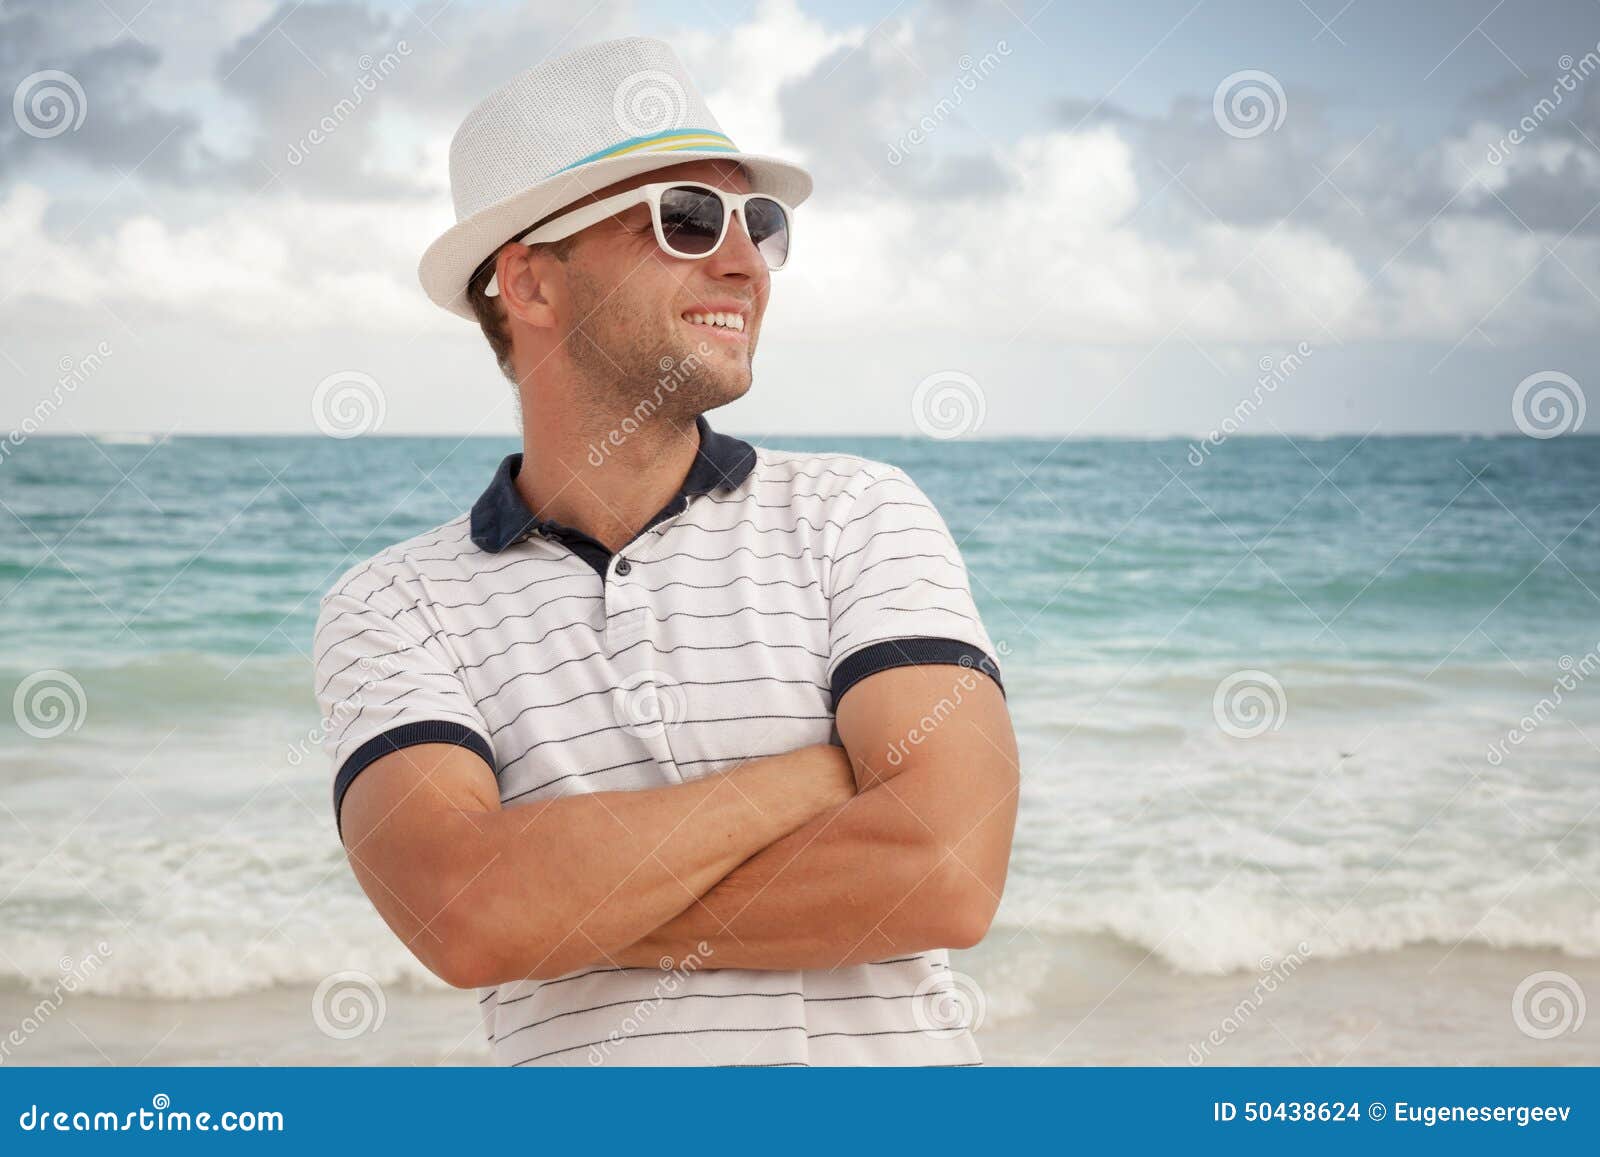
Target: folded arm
x,y
483,894
916,860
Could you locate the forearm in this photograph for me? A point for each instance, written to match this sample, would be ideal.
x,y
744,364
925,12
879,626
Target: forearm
x,y
559,884
902,867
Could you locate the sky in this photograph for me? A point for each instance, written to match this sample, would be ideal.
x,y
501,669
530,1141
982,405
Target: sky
x,y
1053,219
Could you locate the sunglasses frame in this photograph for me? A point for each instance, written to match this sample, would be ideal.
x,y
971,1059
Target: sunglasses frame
x,y
580,219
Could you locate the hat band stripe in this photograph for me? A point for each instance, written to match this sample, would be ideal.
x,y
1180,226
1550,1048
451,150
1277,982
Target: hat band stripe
x,y
673,141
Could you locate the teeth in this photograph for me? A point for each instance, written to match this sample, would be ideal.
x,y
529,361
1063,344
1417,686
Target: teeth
x,y
731,321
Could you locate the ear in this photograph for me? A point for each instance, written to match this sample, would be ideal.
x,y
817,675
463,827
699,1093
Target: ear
x,y
529,285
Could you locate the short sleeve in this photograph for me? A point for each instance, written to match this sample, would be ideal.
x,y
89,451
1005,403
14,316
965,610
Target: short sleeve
x,y
383,686
898,593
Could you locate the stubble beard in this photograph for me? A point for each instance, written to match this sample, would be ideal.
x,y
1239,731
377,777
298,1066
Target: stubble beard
x,y
654,368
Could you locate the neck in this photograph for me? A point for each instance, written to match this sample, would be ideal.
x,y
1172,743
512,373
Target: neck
x,y
605,475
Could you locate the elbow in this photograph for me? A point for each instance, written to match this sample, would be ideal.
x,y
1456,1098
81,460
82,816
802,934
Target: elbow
x,y
964,904
473,952
968,923
461,959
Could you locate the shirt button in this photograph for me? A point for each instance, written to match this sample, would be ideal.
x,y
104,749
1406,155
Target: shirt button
x,y
623,566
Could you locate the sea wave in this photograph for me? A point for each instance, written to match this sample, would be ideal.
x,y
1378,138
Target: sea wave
x,y
139,688
203,964
215,963
1197,935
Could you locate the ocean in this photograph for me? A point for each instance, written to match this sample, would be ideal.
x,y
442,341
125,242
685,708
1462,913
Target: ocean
x,y
1324,706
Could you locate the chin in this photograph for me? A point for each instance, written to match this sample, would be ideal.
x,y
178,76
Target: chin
x,y
721,387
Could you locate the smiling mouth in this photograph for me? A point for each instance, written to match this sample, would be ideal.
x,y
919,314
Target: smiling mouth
x,y
728,324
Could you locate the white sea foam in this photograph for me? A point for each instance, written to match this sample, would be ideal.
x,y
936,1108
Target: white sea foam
x,y
206,858
1199,933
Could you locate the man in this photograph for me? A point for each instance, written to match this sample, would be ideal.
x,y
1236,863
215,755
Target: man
x,y
681,751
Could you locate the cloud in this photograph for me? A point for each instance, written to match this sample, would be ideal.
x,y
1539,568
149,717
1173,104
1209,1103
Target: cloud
x,y
1100,227
312,78
119,130
849,111
284,264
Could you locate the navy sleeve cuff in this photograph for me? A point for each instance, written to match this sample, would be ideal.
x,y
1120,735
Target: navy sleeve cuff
x,y
911,652
396,739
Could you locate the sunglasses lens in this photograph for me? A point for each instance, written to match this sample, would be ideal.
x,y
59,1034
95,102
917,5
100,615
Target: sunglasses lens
x,y
691,220
769,229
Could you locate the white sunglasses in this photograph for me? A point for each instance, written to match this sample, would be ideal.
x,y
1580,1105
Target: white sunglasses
x,y
690,220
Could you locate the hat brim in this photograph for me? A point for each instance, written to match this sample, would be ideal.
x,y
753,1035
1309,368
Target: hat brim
x,y
451,260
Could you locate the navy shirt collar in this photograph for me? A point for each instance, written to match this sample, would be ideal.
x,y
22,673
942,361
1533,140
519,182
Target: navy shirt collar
x,y
500,517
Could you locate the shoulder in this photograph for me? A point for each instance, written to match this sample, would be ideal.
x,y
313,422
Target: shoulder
x,y
441,550
837,477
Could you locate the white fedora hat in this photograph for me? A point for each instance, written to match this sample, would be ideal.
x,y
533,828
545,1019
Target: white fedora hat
x,y
565,129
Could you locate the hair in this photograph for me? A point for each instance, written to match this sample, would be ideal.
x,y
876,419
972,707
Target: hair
x,y
491,313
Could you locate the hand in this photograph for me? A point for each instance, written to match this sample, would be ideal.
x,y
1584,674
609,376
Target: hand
x,y
836,772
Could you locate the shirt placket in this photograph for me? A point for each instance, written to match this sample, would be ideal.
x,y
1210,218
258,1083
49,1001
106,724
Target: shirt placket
x,y
648,701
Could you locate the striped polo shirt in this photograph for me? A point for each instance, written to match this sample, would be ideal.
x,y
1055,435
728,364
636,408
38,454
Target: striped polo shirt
x,y
726,630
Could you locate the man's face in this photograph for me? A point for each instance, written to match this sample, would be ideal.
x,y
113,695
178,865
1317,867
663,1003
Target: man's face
x,y
629,305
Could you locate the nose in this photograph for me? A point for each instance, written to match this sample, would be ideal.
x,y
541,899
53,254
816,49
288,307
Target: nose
x,y
737,258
